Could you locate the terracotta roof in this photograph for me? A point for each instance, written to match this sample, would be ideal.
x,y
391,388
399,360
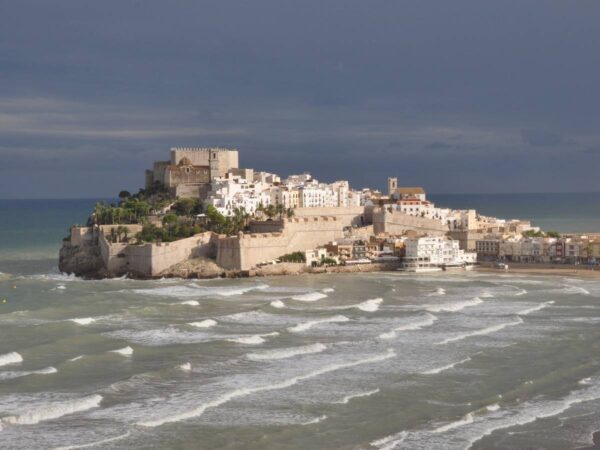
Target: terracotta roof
x,y
409,190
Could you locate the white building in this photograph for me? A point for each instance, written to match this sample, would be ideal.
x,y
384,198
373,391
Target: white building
x,y
434,253
231,192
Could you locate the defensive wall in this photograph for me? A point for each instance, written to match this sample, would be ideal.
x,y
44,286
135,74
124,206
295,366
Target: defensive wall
x,y
347,216
152,259
397,222
246,251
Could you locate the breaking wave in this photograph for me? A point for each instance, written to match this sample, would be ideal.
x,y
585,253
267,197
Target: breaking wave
x,y
423,321
327,290
206,323
83,320
347,398
243,392
309,297
192,290
10,358
452,307
312,323
190,303
96,443
186,367
371,305
252,339
483,331
446,367
53,411
466,420
569,289
535,308
125,351
315,420
287,352
277,304
437,292
390,442
23,373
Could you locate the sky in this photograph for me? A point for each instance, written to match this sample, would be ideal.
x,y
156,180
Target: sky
x,y
457,96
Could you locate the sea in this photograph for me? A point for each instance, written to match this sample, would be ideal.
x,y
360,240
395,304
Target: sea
x,y
337,361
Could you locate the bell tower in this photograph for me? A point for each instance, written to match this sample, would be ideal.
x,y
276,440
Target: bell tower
x,y
392,185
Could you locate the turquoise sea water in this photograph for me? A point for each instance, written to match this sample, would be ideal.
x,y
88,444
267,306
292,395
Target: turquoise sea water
x,y
347,361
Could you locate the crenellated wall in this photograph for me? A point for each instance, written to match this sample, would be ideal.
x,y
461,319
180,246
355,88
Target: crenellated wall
x,y
245,251
398,222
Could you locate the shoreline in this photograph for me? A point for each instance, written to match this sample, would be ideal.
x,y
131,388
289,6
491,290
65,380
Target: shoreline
x,y
581,271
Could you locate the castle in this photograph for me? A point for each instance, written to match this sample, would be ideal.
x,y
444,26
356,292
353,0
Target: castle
x,y
190,170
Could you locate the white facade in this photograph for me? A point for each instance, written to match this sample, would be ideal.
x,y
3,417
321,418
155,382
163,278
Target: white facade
x,y
437,251
229,193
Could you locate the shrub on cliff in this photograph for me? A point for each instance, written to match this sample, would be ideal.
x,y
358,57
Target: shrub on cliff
x,y
295,257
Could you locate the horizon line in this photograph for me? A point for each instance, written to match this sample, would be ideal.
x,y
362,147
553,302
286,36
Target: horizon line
x,y
428,193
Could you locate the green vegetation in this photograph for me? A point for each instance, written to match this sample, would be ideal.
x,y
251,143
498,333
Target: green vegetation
x,y
187,206
217,222
172,231
532,233
296,257
275,210
328,262
131,210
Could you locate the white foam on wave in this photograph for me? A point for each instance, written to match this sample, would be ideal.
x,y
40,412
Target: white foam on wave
x,y
423,321
453,307
483,331
206,323
569,289
446,367
347,398
312,323
467,431
315,420
190,303
371,305
585,381
437,292
186,367
287,352
327,290
528,311
125,351
486,294
466,420
253,339
95,443
390,442
53,411
83,320
9,375
309,297
243,392
10,358
77,358
61,287
192,290
277,304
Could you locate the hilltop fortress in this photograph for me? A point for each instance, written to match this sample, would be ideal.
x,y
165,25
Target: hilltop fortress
x,y
190,170
324,222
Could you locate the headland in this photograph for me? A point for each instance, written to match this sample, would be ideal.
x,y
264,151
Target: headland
x,y
200,215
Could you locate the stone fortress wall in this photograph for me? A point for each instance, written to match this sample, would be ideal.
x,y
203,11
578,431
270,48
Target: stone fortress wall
x,y
266,241
246,251
397,222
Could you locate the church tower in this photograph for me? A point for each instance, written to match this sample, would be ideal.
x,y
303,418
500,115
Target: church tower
x,y
392,185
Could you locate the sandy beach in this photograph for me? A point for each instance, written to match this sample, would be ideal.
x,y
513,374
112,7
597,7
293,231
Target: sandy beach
x,y
546,269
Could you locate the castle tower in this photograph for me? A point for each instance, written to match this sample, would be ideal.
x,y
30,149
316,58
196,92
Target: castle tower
x,y
392,185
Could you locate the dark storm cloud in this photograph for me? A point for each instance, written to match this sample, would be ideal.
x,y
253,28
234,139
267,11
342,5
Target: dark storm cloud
x,y
457,96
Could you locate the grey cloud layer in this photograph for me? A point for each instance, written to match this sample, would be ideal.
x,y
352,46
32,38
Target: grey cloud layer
x,y
458,96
